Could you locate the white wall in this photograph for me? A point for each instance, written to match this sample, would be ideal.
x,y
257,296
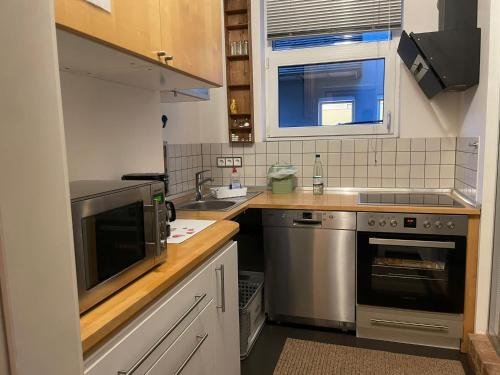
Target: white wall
x,y
481,115
419,117
111,129
37,265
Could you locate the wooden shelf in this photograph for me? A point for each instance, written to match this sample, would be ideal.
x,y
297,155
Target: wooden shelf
x,y
236,11
237,27
239,86
233,129
240,114
237,57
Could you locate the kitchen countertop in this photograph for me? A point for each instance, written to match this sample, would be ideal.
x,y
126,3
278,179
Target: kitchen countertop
x,y
100,322
104,319
305,200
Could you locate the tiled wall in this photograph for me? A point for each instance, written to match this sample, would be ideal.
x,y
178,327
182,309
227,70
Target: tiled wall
x,y
183,161
403,163
466,166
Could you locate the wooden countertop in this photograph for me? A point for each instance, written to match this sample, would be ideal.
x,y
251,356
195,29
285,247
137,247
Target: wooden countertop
x,y
305,200
105,318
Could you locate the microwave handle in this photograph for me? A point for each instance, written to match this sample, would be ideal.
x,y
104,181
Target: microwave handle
x,y
160,241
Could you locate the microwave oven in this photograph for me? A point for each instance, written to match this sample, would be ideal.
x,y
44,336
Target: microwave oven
x,y
120,232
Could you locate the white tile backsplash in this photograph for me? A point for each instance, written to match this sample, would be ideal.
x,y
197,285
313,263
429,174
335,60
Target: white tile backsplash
x,y
415,163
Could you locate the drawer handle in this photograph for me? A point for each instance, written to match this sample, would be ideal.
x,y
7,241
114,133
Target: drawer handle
x,y
200,339
411,325
222,288
197,301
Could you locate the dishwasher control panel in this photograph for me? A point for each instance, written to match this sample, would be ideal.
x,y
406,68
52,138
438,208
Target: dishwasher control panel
x,y
312,219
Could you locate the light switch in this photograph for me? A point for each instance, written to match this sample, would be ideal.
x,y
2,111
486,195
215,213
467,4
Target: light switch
x,y
237,161
229,162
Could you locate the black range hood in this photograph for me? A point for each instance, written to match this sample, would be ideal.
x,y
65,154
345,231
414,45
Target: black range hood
x,y
448,59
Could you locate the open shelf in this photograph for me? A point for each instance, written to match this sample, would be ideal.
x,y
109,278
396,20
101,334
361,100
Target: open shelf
x,y
239,86
237,57
236,11
239,71
237,27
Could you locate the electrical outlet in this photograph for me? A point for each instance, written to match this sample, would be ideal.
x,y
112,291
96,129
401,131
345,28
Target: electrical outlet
x,y
237,161
221,162
229,162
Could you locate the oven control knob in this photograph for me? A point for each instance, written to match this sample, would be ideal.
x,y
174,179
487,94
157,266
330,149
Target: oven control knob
x,y
382,222
450,225
438,224
393,223
371,222
427,224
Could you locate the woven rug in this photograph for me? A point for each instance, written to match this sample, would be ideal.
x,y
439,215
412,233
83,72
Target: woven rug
x,y
308,357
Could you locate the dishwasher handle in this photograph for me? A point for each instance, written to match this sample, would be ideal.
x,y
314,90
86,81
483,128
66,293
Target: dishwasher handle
x,y
307,222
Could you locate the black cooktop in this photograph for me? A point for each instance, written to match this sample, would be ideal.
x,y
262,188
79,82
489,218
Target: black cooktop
x,y
409,199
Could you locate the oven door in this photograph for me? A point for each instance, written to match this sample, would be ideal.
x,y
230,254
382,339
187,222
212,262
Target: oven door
x,y
418,272
114,242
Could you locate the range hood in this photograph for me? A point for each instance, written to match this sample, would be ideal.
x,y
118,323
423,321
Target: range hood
x,y
448,59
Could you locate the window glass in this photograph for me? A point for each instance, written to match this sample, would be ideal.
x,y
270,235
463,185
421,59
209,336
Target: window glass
x,y
339,93
329,40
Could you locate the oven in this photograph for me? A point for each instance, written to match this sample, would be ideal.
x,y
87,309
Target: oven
x,y
120,231
411,261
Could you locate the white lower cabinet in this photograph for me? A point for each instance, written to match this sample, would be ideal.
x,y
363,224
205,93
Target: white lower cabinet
x,y
193,352
227,325
192,330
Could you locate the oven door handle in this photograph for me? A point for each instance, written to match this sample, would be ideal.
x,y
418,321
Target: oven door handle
x,y
409,325
411,243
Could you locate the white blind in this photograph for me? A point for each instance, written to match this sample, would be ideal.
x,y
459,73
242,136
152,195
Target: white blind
x,y
312,17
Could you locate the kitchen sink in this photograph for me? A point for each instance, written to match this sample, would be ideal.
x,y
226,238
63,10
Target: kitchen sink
x,y
211,205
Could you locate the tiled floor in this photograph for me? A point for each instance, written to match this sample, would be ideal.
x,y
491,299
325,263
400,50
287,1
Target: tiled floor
x,y
266,351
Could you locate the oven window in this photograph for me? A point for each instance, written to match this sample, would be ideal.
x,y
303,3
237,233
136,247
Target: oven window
x,y
113,241
407,271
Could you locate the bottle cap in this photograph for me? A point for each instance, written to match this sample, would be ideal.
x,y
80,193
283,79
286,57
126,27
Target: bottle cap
x,y
234,170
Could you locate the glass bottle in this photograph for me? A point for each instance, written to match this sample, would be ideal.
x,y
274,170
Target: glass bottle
x,y
318,185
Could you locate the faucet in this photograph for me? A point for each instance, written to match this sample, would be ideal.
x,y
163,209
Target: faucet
x,y
199,183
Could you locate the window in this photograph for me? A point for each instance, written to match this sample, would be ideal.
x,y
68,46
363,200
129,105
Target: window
x,y
327,74
336,112
329,40
309,92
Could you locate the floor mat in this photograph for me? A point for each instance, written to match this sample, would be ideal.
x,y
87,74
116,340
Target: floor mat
x,y
301,357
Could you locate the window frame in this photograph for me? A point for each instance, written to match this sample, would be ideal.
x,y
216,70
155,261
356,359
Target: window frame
x,y
333,54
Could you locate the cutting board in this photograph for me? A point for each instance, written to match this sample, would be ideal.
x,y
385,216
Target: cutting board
x,y
183,229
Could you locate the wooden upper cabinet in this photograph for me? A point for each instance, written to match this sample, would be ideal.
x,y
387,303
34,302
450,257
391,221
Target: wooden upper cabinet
x,y
133,25
191,33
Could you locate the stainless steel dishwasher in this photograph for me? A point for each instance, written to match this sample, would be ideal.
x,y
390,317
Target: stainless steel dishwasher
x,y
310,271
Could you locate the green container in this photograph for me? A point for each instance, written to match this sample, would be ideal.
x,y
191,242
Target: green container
x,y
282,186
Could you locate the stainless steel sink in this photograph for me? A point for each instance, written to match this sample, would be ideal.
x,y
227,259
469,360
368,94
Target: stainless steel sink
x,y
212,205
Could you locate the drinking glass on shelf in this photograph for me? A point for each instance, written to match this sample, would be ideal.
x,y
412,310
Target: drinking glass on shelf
x,y
244,47
234,48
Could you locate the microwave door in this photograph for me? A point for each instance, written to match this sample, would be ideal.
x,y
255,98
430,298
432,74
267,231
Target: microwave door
x,y
114,242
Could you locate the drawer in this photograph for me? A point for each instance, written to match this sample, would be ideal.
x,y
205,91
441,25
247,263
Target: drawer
x,y
409,326
193,351
141,343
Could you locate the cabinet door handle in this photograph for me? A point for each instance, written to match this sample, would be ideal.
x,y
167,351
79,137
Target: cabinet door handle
x,y
201,339
163,55
222,288
155,346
